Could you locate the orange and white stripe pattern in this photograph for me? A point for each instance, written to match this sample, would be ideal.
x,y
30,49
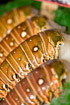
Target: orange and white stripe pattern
x,y
38,87
20,33
29,55
14,17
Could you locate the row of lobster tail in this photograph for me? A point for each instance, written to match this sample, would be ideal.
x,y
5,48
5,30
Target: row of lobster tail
x,y
39,86
29,55
29,75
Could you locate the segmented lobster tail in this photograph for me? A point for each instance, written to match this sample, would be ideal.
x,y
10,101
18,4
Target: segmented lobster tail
x,y
14,17
39,86
20,33
24,49
29,55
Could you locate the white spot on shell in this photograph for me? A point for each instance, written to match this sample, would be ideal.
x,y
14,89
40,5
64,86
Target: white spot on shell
x,y
56,81
19,59
51,83
22,104
32,97
28,90
43,88
22,74
8,31
36,72
9,21
35,48
40,81
11,43
1,54
56,76
23,34
16,99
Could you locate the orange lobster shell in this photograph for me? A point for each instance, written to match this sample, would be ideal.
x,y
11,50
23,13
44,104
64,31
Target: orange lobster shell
x,y
14,17
24,49
38,87
29,55
20,33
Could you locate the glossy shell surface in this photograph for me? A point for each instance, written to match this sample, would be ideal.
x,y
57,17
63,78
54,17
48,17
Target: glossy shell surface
x,y
38,87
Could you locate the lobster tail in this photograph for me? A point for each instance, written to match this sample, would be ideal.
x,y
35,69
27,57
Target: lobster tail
x,y
39,86
20,33
14,17
24,79
29,55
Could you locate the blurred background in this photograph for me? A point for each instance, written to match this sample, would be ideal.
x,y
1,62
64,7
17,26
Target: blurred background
x,y
4,1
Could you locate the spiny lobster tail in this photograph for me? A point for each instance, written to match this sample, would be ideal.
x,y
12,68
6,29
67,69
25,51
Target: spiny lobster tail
x,y
39,86
29,55
11,19
20,33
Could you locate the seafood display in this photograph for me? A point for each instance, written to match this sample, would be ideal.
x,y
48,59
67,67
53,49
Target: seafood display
x,y
32,58
39,86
